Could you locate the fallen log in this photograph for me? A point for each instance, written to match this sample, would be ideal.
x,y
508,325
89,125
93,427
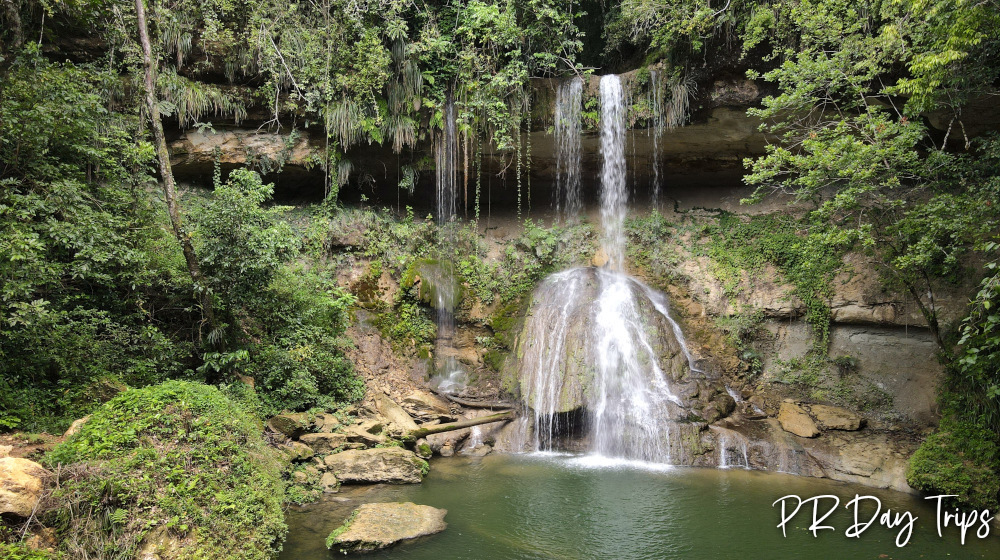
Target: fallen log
x,y
475,404
439,428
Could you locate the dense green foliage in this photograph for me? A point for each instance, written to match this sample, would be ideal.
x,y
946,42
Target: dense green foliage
x,y
177,456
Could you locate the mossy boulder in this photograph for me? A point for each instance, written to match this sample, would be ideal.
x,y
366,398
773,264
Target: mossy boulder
x,y
375,526
177,459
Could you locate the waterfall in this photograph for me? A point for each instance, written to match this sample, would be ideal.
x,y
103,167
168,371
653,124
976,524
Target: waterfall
x,y
569,99
599,347
446,180
614,196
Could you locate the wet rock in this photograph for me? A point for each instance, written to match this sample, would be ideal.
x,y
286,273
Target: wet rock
x,y
291,425
376,526
323,443
479,451
446,451
835,417
20,486
795,420
600,258
390,464
423,449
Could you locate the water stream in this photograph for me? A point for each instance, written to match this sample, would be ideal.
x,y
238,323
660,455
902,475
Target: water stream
x,y
568,126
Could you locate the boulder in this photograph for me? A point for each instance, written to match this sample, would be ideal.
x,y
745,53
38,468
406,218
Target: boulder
x,y
5,450
323,443
795,420
291,425
368,433
297,451
389,464
377,526
427,406
394,413
21,485
326,423
835,417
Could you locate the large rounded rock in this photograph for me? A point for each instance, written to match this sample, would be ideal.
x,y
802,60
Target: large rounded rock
x,y
21,485
390,464
376,526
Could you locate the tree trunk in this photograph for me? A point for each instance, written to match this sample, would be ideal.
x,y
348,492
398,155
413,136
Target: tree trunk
x,y
423,432
14,23
169,191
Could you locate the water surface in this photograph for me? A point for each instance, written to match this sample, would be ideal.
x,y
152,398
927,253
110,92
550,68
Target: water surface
x,y
579,507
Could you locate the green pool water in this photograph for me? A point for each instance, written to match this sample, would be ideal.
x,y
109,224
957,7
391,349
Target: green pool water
x,y
568,507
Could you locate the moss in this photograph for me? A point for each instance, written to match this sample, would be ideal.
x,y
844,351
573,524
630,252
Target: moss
x,y
177,456
331,539
962,459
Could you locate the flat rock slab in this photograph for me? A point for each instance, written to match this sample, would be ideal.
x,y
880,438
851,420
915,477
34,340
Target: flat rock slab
x,y
390,464
376,526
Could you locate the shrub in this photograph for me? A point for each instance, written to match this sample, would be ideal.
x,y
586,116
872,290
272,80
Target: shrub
x,y
962,458
177,459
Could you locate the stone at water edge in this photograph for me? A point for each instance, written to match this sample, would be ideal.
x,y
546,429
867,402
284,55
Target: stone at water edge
x,y
389,464
794,419
20,486
377,526
329,483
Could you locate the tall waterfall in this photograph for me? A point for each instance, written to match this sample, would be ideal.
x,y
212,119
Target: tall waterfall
x,y
445,293
569,100
601,344
614,196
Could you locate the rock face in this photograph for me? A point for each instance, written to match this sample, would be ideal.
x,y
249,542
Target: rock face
x,y
391,464
376,526
324,442
835,417
20,486
794,419
394,414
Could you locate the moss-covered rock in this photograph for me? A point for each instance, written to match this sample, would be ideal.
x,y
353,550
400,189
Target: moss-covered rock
x,y
177,463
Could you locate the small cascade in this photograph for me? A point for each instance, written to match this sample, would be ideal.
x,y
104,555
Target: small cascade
x,y
734,448
656,94
446,291
568,126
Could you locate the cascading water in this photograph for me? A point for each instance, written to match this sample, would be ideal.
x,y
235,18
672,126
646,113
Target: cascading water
x,y
601,344
445,287
569,98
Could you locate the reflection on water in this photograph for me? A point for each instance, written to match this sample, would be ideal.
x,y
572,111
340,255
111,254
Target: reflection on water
x,y
568,507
